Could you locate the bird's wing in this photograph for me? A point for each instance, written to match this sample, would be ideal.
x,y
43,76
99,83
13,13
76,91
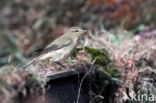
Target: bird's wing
x,y
54,46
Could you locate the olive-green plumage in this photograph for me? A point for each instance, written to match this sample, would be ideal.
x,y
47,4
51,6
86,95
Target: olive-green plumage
x,y
61,48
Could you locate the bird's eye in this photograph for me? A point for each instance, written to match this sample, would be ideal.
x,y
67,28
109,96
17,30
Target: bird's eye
x,y
75,31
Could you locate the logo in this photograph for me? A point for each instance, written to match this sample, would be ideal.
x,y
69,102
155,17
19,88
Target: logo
x,y
139,97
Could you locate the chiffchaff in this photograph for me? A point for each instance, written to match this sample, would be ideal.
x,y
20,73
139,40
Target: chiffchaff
x,y
61,48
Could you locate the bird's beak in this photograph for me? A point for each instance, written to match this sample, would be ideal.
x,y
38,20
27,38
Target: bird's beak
x,y
85,31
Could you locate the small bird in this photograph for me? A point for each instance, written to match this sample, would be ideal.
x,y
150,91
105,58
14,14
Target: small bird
x,y
61,48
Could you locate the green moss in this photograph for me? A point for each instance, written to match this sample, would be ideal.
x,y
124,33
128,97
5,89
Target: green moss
x,y
102,61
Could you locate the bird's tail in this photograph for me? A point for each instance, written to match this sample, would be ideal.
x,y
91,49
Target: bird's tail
x,y
29,63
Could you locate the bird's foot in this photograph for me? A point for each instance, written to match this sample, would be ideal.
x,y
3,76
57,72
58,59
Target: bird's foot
x,y
62,67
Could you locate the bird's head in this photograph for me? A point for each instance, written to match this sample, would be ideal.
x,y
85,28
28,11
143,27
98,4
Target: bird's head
x,y
75,31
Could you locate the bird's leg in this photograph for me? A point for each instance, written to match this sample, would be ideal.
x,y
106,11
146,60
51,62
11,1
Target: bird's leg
x,y
62,66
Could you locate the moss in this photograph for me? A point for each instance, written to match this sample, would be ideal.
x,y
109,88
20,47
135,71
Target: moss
x,y
102,61
104,82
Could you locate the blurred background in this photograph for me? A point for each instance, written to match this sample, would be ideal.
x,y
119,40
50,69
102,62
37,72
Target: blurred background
x,y
26,25
124,28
